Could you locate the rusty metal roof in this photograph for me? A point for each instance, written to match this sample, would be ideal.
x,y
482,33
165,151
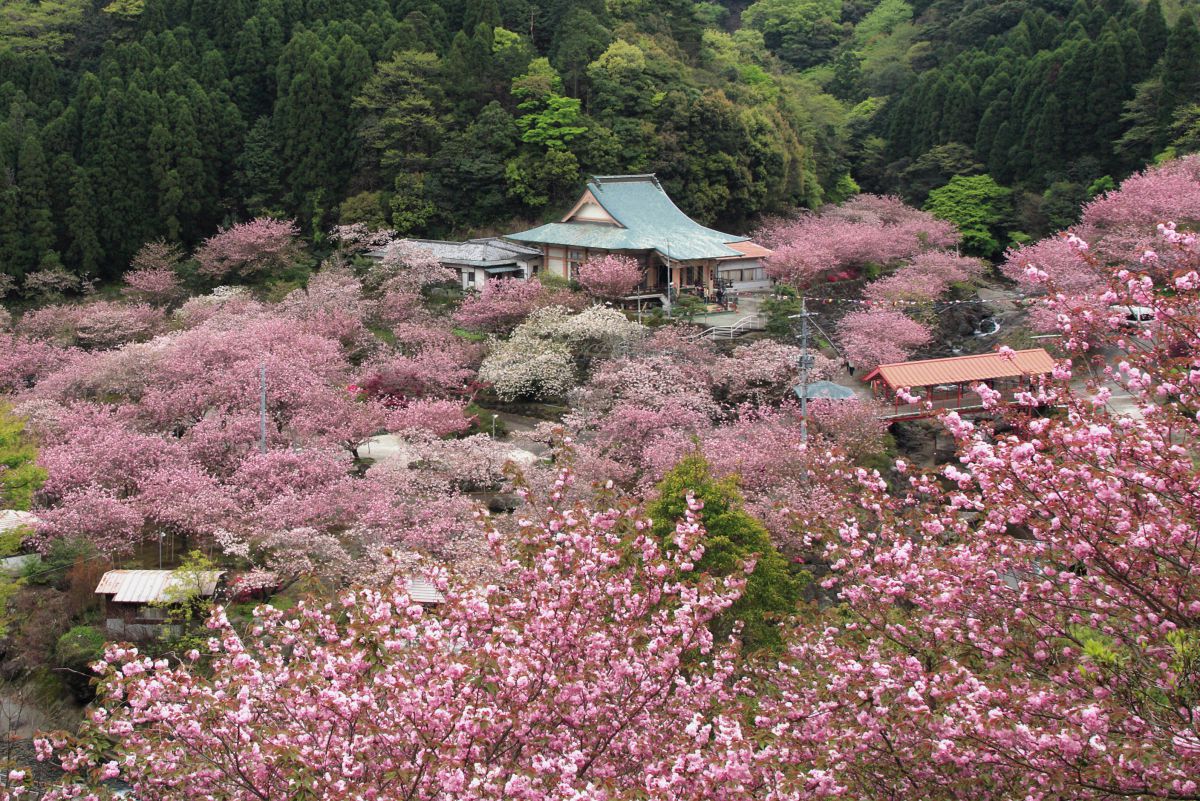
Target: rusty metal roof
x,y
149,586
963,369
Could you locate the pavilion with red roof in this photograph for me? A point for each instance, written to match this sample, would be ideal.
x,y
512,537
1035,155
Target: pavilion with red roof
x,y
948,384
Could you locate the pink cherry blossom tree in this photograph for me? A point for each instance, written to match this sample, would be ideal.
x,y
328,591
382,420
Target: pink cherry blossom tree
x,y
764,372
1049,625
500,306
873,337
598,688
924,278
98,324
250,248
612,276
837,242
153,275
407,267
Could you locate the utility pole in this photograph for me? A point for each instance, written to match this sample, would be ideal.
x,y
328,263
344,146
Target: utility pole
x,y
262,407
806,364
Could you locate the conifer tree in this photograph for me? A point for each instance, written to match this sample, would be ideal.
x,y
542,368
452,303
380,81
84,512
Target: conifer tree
x,y
1181,68
1152,29
37,222
733,535
83,250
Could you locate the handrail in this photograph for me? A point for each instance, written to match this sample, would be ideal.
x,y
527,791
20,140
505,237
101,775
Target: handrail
x,y
723,331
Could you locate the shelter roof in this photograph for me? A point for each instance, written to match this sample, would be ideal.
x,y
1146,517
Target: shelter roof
x,y
962,369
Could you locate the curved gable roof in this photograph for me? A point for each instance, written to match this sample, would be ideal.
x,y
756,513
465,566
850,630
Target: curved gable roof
x,y
648,220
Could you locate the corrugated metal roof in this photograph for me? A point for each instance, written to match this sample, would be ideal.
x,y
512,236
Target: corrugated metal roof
x,y
485,252
960,369
423,591
650,220
14,518
149,586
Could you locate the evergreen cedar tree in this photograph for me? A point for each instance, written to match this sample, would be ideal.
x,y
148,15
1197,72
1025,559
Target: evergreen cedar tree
x,y
731,538
172,120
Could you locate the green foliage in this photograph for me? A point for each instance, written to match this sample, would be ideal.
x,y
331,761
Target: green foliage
x,y
732,536
41,25
687,307
169,119
20,477
779,308
802,32
53,567
978,206
469,336
75,652
1040,94
482,422
187,588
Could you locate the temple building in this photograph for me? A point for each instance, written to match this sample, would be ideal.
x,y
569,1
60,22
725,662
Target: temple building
x,y
631,215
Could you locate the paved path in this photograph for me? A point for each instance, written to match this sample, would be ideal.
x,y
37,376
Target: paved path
x,y
519,427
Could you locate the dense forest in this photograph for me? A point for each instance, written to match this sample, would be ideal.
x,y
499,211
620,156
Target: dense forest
x,y
126,121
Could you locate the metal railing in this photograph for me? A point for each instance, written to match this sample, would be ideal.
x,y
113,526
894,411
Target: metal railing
x,y
726,331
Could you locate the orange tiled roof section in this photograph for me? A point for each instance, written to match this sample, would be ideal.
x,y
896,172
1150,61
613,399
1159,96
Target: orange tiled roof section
x,y
960,369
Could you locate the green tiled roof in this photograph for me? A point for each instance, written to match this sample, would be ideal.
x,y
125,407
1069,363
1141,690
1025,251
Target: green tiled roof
x,y
649,221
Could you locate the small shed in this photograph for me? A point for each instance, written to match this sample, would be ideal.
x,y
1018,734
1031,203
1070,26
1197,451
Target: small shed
x,y
948,384
133,599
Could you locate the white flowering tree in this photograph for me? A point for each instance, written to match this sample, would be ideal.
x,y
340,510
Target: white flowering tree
x,y
539,360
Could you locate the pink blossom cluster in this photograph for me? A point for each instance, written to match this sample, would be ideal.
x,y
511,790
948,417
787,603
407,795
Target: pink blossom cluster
x,y
612,276
258,246
871,337
837,242
926,277
501,305
407,267
96,325
153,275
1127,226
552,687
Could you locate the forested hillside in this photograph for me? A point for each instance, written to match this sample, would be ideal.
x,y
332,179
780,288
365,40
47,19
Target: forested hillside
x,y
127,121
